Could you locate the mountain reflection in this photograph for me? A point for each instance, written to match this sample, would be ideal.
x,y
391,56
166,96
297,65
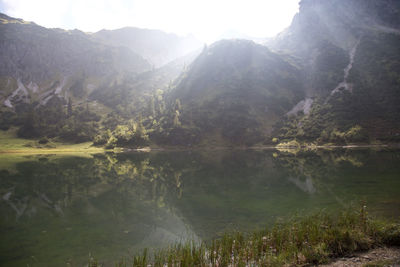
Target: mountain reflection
x,y
113,205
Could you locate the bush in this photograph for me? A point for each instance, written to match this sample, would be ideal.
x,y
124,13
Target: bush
x,y
131,135
43,140
356,134
290,144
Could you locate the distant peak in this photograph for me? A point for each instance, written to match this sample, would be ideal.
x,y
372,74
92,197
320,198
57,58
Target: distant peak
x,y
237,44
234,42
5,19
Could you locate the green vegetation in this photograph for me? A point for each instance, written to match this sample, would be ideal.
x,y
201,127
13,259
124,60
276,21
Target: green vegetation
x,y
381,263
323,125
313,239
73,124
291,144
131,135
10,143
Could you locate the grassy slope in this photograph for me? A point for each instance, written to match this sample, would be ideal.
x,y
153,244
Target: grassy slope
x,y
9,143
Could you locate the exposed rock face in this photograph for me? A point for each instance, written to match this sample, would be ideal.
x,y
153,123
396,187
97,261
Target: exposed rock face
x,y
344,84
303,105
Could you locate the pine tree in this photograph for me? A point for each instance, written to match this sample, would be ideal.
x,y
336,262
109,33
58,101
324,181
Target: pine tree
x,y
69,109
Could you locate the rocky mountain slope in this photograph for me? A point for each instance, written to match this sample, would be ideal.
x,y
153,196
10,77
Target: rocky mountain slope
x,y
350,59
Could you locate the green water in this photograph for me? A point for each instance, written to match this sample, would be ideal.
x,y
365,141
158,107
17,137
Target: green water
x,y
57,211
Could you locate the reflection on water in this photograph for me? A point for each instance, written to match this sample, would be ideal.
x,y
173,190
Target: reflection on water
x,y
58,210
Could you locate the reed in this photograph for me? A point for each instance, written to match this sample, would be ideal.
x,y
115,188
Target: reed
x,y
298,241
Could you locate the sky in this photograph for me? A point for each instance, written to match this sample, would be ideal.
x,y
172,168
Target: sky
x,y
207,20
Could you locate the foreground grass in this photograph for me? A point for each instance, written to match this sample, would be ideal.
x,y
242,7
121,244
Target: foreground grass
x,y
9,143
380,263
300,241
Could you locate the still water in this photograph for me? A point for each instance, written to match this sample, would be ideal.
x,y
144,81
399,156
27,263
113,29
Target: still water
x,y
60,210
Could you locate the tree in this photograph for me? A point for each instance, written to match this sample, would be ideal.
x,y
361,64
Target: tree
x,y
178,105
176,118
30,125
152,109
69,109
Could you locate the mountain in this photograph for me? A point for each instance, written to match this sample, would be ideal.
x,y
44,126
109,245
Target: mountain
x,y
45,70
39,63
333,76
350,53
36,58
234,34
155,46
323,34
235,90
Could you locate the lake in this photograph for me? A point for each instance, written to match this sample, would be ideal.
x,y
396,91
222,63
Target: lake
x,y
61,210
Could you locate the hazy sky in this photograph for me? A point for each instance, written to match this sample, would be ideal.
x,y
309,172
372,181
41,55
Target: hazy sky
x,y
205,19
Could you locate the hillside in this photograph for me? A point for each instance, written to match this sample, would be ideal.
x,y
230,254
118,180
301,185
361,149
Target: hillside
x,y
235,90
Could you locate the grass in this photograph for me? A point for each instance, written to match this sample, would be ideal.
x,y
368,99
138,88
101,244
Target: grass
x,y
381,263
300,241
9,143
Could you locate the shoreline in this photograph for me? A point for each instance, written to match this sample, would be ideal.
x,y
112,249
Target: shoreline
x,y
378,257
97,150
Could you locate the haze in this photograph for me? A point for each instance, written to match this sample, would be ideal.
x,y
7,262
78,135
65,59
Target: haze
x,y
207,20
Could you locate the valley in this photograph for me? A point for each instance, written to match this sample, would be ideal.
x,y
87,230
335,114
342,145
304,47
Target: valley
x,y
324,83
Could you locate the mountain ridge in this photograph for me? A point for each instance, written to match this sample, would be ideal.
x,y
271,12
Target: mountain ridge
x,y
154,45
